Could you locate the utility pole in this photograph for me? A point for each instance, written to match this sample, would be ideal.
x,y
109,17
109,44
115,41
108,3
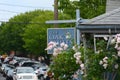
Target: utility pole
x,y
55,12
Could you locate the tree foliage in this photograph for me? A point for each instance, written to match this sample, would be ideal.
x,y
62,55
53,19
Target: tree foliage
x,y
35,35
10,35
28,31
88,8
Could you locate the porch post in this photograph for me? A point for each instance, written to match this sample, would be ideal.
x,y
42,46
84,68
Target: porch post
x,y
77,30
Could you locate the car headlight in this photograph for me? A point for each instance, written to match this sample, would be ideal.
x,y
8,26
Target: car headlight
x,y
19,77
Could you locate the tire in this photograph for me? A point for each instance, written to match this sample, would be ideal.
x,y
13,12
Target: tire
x,y
4,75
9,78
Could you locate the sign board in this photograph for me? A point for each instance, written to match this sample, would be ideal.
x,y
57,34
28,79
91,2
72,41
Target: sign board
x,y
59,35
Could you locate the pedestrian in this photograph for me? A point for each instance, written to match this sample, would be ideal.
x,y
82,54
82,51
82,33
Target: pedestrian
x,y
49,76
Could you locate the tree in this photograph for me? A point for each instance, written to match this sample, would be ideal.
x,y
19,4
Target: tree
x,y
88,8
11,31
28,31
35,35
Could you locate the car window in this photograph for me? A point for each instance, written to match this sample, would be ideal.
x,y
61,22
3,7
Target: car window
x,y
28,64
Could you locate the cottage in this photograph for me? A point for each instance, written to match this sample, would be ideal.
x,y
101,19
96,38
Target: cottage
x,y
105,25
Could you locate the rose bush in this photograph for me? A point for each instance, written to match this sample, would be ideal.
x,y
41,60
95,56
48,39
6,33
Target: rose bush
x,y
63,63
103,65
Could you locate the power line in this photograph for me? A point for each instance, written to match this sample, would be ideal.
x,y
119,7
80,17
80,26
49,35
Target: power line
x,y
22,22
9,11
23,6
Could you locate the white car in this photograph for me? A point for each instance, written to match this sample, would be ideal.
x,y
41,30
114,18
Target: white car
x,y
24,73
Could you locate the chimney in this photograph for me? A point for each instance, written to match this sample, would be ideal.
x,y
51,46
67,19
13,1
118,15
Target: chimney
x,y
112,4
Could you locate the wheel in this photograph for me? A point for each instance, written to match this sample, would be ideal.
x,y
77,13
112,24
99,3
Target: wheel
x,y
9,78
4,75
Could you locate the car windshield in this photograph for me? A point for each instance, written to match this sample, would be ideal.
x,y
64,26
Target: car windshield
x,y
29,64
25,71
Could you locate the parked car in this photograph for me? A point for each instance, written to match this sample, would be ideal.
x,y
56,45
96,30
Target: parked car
x,y
0,66
5,68
9,73
41,70
24,73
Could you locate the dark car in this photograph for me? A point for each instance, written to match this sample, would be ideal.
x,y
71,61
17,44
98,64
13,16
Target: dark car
x,y
9,73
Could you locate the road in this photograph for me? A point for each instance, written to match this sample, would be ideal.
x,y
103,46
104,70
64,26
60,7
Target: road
x,y
1,77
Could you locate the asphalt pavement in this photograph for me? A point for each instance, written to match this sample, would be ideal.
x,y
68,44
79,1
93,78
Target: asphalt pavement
x,y
1,77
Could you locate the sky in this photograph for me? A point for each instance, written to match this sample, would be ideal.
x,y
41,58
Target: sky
x,y
10,8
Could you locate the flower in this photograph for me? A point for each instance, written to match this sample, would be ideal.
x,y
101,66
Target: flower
x,y
105,38
74,48
116,66
55,54
118,53
65,46
78,58
105,66
116,45
101,62
113,41
82,66
80,62
105,58
62,44
77,54
49,48
118,40
105,61
51,45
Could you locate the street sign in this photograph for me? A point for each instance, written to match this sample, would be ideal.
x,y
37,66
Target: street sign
x,y
59,35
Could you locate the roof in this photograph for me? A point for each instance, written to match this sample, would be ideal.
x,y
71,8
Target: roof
x,y
112,17
112,4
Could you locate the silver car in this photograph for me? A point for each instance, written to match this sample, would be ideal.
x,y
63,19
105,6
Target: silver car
x,y
24,73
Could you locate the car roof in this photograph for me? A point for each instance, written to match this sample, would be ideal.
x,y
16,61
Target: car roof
x,y
29,61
